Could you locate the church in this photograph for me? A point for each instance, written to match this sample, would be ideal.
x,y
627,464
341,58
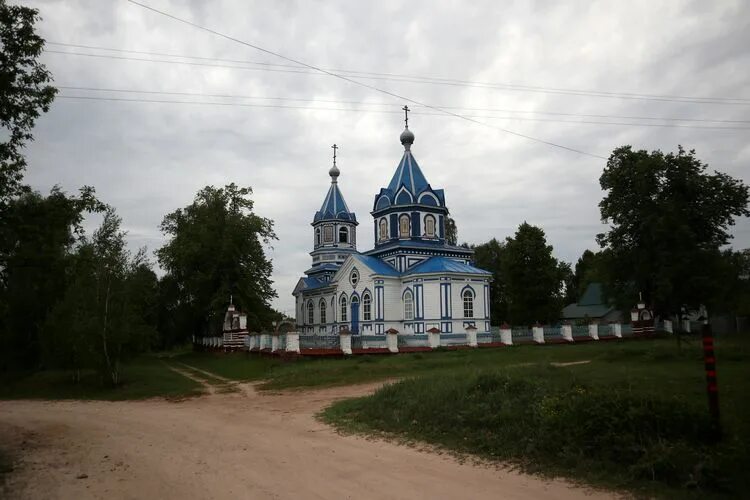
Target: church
x,y
412,282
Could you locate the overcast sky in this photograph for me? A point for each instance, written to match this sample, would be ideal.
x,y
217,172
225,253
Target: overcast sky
x,y
149,158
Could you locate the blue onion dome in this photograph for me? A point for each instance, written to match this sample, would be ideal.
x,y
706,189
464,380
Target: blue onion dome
x,y
407,138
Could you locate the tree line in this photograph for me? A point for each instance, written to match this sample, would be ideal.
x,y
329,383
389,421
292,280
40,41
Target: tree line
x,y
667,242
80,301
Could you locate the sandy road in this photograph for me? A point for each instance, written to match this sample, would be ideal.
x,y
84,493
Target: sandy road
x,y
239,445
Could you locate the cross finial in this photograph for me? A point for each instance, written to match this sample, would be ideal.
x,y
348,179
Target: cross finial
x,y
230,299
335,147
406,115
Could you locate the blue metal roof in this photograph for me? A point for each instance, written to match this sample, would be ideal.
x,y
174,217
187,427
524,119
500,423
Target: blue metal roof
x,y
312,283
334,207
444,265
408,174
377,265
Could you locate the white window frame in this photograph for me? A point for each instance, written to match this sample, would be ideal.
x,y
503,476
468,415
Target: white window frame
x,y
383,225
322,308
408,306
468,300
366,307
310,313
343,304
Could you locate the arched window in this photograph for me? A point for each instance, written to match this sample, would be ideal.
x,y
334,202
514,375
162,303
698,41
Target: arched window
x,y
403,226
366,307
344,235
310,313
383,229
429,226
322,311
468,303
408,305
317,236
343,308
328,234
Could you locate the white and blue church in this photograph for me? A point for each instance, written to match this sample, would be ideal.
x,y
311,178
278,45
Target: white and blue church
x,y
412,282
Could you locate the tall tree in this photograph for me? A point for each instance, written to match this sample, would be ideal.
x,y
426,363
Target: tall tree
x,y
489,256
37,234
451,231
24,92
586,271
534,279
216,249
668,219
108,313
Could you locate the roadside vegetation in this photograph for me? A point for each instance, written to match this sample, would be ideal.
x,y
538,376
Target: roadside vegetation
x,y
144,377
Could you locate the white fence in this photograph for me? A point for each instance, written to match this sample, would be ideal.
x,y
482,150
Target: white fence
x,y
393,341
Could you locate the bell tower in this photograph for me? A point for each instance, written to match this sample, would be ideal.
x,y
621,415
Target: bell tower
x,y
334,229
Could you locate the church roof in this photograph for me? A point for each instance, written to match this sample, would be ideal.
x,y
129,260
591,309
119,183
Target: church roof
x,y
408,186
591,304
377,265
409,175
444,265
313,283
334,207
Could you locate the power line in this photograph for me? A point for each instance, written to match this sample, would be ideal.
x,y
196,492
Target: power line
x,y
288,68
365,103
310,108
344,78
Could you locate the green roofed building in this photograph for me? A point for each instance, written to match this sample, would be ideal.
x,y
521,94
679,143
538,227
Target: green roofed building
x,y
592,306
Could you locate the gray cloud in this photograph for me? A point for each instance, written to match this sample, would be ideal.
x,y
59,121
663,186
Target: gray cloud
x,y
148,159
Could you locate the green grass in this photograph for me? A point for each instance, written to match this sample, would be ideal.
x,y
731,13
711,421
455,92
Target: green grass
x,y
634,417
143,378
235,366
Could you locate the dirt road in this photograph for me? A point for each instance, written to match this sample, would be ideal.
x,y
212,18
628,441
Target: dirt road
x,y
238,445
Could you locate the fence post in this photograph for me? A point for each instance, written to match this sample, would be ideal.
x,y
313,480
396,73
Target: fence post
x,y
433,337
616,329
346,341
537,332
506,336
292,342
567,332
668,326
391,339
594,331
471,336
686,325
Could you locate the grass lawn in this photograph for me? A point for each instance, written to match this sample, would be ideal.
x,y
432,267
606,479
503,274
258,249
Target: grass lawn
x,y
143,378
236,366
634,417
